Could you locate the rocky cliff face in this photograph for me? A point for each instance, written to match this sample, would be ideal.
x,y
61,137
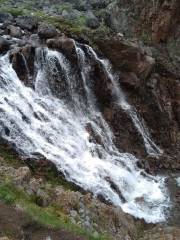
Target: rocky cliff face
x,y
144,51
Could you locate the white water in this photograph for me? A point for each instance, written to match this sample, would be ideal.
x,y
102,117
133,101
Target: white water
x,y
37,122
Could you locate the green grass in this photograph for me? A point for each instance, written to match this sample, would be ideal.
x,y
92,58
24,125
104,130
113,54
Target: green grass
x,y
50,216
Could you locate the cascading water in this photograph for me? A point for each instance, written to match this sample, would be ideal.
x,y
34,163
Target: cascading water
x,y
60,124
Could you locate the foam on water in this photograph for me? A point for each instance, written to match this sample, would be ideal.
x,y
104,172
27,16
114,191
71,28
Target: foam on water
x,y
35,121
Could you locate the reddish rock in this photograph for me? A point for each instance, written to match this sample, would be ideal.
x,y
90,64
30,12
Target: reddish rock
x,y
23,63
127,56
62,44
166,21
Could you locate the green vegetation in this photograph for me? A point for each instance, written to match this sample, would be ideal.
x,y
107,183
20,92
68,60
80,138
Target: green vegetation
x,y
76,28
14,11
50,216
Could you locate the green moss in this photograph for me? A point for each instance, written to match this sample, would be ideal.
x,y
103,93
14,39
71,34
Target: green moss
x,y
50,216
6,195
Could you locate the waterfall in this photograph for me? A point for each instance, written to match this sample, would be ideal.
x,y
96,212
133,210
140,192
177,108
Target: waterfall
x,y
59,119
151,148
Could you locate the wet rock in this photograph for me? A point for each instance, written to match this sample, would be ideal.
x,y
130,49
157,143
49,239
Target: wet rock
x,y
129,80
27,22
46,31
23,63
4,45
66,45
15,31
127,56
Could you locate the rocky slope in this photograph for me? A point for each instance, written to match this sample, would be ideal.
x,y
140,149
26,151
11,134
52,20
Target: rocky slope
x,y
141,39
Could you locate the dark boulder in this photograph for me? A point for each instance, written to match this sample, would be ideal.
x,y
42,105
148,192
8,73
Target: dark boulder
x,y
23,63
46,31
27,22
92,21
5,16
63,44
4,45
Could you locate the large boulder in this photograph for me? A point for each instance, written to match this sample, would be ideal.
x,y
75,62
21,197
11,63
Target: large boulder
x,y
45,31
127,55
27,22
15,31
22,59
5,17
4,45
118,18
92,21
64,44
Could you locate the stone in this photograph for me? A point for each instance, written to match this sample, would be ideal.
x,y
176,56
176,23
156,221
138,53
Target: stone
x,y
162,233
118,18
127,55
34,40
22,175
92,21
166,21
22,59
27,22
42,198
15,31
66,45
129,80
46,31
5,16
4,45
